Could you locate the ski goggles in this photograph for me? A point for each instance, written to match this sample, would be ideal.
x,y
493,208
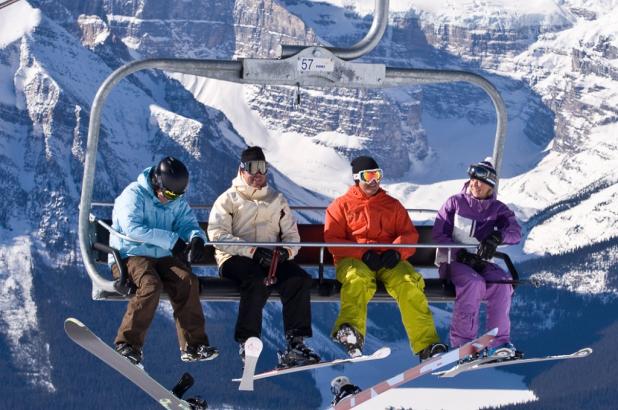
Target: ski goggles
x,y
169,195
483,174
253,167
369,175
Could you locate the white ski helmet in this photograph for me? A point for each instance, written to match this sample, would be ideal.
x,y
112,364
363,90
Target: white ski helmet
x,y
337,383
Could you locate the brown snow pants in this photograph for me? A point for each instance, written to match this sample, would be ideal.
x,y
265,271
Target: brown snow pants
x,y
151,276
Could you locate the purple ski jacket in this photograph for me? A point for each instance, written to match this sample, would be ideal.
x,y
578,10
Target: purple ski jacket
x,y
465,219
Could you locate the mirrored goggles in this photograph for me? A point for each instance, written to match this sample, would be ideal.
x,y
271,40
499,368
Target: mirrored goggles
x,y
171,196
482,173
369,175
253,167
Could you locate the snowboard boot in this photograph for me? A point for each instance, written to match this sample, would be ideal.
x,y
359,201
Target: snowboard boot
x,y
504,351
296,354
199,352
133,354
351,340
432,350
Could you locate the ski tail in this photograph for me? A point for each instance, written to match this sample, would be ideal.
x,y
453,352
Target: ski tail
x,y
419,370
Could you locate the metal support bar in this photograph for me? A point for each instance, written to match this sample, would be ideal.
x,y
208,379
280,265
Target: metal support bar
x,y
364,46
403,76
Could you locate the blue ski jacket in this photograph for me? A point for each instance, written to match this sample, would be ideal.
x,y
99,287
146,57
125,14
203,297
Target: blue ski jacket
x,y
140,215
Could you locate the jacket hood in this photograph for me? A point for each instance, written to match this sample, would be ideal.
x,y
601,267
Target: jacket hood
x,y
475,203
356,192
144,181
247,191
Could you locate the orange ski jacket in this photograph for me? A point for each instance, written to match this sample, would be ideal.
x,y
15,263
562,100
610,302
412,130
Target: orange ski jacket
x,y
357,218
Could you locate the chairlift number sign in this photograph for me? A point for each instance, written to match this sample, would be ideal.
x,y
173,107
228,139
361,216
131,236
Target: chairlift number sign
x,y
315,65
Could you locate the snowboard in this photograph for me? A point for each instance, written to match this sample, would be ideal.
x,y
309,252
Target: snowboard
x,y
253,348
490,362
378,354
84,337
419,370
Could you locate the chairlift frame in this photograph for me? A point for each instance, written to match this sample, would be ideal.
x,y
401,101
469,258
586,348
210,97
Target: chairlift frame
x,y
311,66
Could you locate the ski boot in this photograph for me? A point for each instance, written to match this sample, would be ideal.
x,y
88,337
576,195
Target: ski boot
x,y
504,351
341,387
296,354
351,340
432,350
241,352
133,354
199,352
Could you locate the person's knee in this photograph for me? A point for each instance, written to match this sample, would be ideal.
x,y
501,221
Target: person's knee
x,y
151,283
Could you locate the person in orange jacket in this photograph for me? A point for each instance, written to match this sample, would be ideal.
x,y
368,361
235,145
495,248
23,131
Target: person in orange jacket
x,y
367,214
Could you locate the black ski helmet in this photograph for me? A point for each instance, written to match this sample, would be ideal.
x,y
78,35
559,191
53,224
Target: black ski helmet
x,y
171,174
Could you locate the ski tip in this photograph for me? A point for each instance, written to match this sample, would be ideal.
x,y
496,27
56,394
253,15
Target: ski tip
x,y
71,321
253,346
382,352
586,351
493,332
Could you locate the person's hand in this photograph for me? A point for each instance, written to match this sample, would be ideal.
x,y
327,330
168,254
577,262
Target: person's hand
x,y
284,255
372,260
197,251
263,256
487,248
390,258
180,250
472,260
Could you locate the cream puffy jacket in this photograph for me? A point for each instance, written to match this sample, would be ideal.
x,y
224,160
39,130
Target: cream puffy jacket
x,y
246,214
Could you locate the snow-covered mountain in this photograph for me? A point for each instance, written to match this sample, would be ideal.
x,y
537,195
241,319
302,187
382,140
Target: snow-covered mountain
x,y
555,62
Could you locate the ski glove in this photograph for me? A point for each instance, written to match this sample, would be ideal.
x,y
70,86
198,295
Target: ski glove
x,y
390,258
180,250
487,248
197,252
373,260
284,255
472,260
263,256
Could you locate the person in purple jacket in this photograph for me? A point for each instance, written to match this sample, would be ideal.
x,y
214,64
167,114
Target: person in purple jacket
x,y
475,216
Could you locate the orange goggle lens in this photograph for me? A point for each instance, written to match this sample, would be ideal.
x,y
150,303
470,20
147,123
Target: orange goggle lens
x,y
369,175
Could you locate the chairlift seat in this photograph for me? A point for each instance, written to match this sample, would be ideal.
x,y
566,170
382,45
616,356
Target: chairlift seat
x,y
323,289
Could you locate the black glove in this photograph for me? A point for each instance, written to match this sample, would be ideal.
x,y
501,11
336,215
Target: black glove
x,y
197,251
471,259
180,250
487,248
372,260
263,256
390,258
284,255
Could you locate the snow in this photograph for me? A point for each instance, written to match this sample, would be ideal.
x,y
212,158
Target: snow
x,y
447,399
17,20
506,14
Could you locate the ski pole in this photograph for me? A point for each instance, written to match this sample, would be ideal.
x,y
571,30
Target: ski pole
x,y
271,279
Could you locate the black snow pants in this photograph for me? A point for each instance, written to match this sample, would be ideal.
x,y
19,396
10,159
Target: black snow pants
x,y
293,285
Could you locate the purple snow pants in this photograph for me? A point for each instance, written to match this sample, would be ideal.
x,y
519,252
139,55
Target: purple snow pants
x,y
471,289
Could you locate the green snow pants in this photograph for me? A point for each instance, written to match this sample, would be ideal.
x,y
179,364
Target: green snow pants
x,y
402,282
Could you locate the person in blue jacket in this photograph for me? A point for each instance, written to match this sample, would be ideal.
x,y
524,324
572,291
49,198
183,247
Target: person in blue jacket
x,y
166,238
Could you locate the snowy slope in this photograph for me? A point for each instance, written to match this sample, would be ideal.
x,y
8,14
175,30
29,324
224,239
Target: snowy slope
x,y
554,62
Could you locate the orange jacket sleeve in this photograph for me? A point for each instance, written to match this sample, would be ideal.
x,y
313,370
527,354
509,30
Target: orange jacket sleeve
x,y
407,232
335,227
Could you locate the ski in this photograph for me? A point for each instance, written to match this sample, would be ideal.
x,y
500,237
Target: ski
x,y
419,370
253,348
490,362
378,354
84,337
